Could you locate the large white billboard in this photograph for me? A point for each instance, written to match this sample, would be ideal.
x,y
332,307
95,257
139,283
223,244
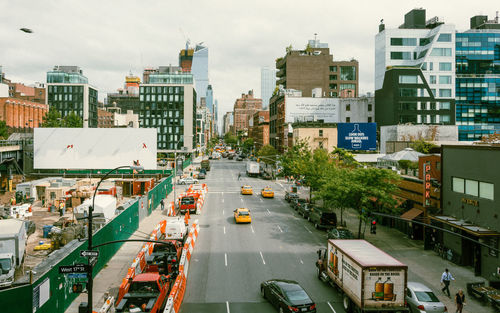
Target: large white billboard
x,y
311,109
94,148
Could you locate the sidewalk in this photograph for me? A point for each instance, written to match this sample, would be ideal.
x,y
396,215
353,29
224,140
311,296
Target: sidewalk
x,y
424,266
110,277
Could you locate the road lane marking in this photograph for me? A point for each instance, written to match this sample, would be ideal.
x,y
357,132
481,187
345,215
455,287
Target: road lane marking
x,y
241,199
225,259
301,262
308,229
223,213
224,230
331,307
262,257
252,229
227,307
281,230
261,200
223,198
268,211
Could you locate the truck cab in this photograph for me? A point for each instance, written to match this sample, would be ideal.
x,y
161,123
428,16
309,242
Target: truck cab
x,y
147,293
188,203
165,258
7,269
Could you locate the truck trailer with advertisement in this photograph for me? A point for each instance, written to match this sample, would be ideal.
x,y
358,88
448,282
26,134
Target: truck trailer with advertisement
x,y
370,279
253,169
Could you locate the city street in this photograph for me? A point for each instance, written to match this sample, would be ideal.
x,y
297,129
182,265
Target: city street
x,y
230,261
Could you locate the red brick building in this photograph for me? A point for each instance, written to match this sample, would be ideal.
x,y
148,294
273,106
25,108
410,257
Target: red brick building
x,y
105,119
23,92
260,130
18,113
244,109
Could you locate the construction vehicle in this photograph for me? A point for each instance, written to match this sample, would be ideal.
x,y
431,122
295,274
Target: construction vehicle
x,y
147,293
189,203
12,249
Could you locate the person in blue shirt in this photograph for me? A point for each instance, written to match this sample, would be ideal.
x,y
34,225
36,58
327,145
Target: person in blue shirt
x,y
446,277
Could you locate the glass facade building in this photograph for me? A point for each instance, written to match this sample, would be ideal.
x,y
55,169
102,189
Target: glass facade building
x,y
477,83
171,109
199,69
267,84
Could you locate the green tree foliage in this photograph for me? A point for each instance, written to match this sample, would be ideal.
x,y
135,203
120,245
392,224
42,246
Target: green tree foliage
x,y
230,139
52,119
294,161
247,145
4,131
316,168
334,191
407,164
344,158
422,146
268,153
72,121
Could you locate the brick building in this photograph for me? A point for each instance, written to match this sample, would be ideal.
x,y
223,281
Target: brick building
x,y
244,108
105,119
20,91
260,130
22,114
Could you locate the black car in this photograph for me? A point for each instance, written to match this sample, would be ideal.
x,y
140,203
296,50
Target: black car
x,y
296,203
322,218
340,233
204,171
230,156
304,210
266,176
202,175
289,196
287,296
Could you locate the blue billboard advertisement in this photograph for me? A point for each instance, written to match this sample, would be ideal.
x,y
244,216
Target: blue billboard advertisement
x,y
357,136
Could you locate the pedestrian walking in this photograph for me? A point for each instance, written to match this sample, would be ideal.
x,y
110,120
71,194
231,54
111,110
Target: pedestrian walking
x,y
445,280
460,300
162,204
239,175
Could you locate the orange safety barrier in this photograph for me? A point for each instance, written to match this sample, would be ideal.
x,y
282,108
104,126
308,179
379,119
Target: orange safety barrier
x,y
142,260
180,295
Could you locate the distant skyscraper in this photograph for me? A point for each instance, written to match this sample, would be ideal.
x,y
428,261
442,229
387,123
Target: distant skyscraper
x,y
210,99
267,84
199,69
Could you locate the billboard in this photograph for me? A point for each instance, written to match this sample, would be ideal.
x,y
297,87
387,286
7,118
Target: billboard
x,y
311,109
357,136
94,148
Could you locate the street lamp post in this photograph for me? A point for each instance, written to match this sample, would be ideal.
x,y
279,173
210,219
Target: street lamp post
x,y
90,283
175,165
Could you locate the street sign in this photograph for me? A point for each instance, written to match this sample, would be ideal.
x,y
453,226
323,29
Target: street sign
x,y
76,268
77,275
92,260
89,253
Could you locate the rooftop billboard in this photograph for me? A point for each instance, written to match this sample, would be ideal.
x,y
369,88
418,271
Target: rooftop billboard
x,y
357,136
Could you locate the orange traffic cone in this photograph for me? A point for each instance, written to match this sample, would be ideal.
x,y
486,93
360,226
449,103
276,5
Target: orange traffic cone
x,y
186,218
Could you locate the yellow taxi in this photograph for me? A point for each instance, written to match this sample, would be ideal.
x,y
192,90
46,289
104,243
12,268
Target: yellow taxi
x,y
246,190
242,215
267,192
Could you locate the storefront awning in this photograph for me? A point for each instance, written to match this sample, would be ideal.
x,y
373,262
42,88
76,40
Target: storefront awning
x,y
411,214
466,226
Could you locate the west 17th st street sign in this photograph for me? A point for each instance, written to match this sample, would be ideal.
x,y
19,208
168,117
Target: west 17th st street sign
x,y
76,268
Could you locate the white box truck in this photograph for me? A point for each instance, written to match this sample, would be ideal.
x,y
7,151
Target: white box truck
x,y
12,248
253,169
370,279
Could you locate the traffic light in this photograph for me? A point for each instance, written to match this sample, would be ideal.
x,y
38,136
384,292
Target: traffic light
x,y
373,228
77,288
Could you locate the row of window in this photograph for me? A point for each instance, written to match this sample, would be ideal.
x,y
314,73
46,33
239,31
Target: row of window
x,y
66,97
65,89
423,41
421,92
414,79
348,107
473,188
475,52
162,98
443,66
162,89
428,119
478,39
417,106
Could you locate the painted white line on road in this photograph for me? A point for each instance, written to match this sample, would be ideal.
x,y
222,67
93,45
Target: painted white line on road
x,y
308,230
281,230
241,199
223,199
268,211
262,257
222,211
224,230
252,229
261,200
227,307
225,259
301,262
331,307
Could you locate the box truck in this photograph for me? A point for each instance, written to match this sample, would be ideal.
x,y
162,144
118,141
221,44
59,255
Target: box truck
x,y
12,248
370,279
253,169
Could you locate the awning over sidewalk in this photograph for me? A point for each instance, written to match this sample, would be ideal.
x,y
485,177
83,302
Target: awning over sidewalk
x,y
466,226
411,214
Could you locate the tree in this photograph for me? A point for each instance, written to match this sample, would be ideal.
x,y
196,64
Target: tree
x,y
72,121
422,146
230,139
334,191
315,169
268,153
4,132
52,119
248,145
294,161
343,157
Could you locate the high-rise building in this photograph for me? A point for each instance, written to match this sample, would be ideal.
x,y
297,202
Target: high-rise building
x,y
126,98
478,79
168,103
267,84
68,91
415,72
314,67
244,108
199,69
186,58
228,122
260,129
210,99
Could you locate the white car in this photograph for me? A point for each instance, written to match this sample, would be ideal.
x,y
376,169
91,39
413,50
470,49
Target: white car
x,y
420,298
187,181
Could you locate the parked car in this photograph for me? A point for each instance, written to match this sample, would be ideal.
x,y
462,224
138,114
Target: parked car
x,y
266,176
230,156
187,181
204,171
289,196
340,233
420,298
304,210
296,203
322,218
202,175
287,296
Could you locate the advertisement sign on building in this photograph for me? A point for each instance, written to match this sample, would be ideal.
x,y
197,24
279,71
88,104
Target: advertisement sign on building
x,y
357,136
311,109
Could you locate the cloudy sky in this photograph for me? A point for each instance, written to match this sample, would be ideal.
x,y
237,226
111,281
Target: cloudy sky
x,y
107,38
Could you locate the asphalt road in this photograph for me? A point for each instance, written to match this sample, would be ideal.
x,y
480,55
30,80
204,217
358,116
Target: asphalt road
x,y
230,261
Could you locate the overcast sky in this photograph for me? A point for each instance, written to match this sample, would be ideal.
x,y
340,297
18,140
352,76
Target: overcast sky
x,y
107,39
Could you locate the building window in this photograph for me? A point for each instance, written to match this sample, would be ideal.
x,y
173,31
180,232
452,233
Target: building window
x,y
403,41
426,41
369,119
444,38
333,68
333,94
333,86
398,55
445,66
320,144
445,118
431,66
347,86
408,79
348,119
369,107
408,92
445,80
348,107
347,73
321,133
407,106
432,79
444,106
333,77
457,184
424,66
486,190
445,93
441,52
471,187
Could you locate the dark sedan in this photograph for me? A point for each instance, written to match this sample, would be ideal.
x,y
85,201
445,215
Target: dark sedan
x,y
287,296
